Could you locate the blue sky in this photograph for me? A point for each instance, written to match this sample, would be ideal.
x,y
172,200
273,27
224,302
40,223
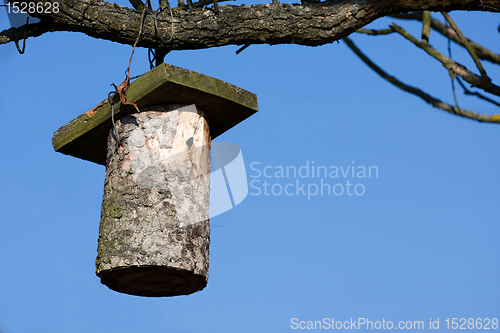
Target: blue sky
x,y
421,243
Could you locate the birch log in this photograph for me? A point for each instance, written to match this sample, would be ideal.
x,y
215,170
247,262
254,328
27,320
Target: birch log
x,y
154,232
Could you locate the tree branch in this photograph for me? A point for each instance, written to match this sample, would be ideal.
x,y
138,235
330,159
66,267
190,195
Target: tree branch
x,y
426,97
17,34
450,64
482,52
426,25
478,95
466,44
310,24
137,4
374,32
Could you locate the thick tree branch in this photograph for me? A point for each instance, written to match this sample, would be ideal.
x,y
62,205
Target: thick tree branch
x,y
443,29
426,97
17,34
311,24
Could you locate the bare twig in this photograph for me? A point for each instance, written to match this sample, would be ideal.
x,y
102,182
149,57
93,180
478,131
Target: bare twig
x,y
465,43
426,25
473,93
482,52
426,97
374,32
450,64
137,4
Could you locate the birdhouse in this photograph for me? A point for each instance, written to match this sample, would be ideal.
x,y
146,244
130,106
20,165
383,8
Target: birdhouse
x,y
154,232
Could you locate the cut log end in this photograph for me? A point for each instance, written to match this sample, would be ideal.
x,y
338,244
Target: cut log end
x,y
153,281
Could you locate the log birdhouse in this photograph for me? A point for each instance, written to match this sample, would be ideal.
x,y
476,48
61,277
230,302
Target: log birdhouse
x,y
154,231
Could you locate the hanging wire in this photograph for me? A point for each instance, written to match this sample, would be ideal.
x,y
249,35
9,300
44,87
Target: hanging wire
x,y
151,59
115,130
242,48
152,52
452,75
159,10
134,77
21,51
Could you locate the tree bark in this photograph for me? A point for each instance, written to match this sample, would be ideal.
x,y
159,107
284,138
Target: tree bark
x,y
154,232
310,24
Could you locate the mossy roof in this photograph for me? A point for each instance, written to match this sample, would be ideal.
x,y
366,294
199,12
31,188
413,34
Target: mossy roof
x,y
226,105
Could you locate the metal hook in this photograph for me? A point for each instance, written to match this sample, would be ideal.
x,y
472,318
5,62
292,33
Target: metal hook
x,y
115,130
25,37
242,48
159,10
